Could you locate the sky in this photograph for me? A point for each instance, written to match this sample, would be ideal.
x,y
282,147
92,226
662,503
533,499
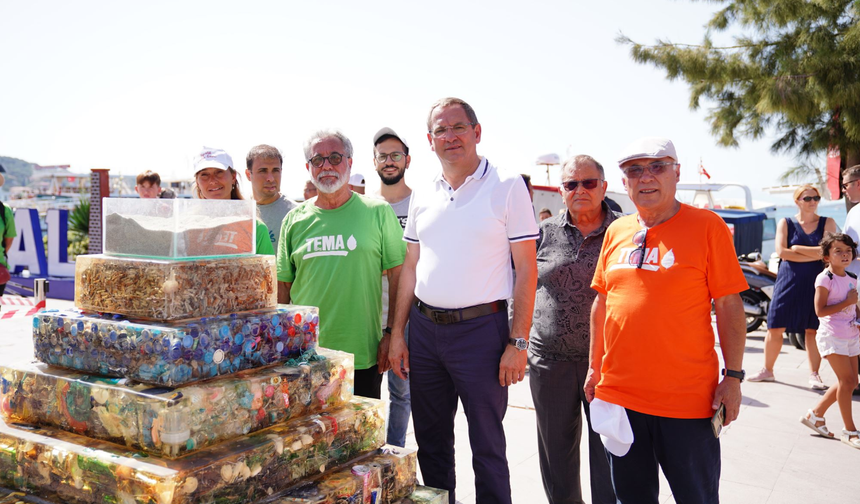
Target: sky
x,y
133,86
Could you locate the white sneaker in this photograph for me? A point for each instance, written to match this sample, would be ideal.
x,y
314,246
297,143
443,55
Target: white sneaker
x,y
815,382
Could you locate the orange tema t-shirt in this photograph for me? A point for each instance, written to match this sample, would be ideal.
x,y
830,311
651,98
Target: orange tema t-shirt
x,y
659,356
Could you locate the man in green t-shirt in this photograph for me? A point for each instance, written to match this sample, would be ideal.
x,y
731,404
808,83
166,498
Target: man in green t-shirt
x,y
331,253
7,229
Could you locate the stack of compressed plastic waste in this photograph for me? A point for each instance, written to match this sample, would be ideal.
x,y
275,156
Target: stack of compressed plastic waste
x,y
178,379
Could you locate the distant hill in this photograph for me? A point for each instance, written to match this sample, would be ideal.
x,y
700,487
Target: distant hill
x,y
18,171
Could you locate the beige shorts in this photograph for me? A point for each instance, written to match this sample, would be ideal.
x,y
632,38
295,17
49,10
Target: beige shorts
x,y
829,344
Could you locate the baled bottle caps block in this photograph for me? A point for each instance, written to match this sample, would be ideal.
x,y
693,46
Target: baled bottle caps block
x,y
178,228
382,477
172,422
162,290
174,353
84,470
426,495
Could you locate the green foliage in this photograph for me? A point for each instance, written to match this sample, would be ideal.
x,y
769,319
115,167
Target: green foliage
x,y
78,244
802,174
79,217
17,171
795,69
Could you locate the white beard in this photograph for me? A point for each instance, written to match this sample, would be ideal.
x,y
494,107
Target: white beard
x,y
332,187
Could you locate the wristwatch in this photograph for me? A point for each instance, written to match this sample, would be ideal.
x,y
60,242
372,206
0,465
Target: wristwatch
x,y
519,343
735,374
387,331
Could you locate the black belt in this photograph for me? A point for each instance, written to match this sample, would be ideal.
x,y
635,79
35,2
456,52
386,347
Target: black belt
x,y
442,316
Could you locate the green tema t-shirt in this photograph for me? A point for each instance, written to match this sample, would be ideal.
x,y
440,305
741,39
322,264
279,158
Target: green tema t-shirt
x,y
264,243
334,258
7,232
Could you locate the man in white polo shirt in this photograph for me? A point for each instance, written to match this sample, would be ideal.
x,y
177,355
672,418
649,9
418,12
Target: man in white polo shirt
x,y
461,234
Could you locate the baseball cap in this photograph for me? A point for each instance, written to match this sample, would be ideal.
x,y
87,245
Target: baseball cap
x,y
388,131
212,158
356,179
611,422
648,148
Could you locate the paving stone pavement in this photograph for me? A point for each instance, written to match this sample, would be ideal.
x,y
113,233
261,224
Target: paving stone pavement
x,y
768,456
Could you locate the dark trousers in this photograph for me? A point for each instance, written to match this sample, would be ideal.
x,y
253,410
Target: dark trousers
x,y
685,449
559,400
454,361
368,382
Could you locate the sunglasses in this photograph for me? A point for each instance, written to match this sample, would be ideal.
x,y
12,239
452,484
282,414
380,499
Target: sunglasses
x,y
589,184
637,257
811,198
846,184
655,169
334,159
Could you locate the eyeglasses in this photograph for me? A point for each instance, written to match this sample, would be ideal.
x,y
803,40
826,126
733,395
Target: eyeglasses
x,y
334,159
637,257
458,129
589,184
811,198
395,157
846,184
655,169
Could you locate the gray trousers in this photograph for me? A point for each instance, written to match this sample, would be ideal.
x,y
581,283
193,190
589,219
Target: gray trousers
x,y
559,399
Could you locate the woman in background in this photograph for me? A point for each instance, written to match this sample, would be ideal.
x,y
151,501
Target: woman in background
x,y
215,178
793,306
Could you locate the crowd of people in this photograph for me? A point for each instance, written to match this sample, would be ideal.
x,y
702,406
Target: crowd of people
x,y
453,289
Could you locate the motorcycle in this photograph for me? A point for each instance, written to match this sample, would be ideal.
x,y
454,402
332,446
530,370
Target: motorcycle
x,y
760,293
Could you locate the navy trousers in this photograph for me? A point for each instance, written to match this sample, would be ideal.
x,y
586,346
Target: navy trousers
x,y
685,449
460,361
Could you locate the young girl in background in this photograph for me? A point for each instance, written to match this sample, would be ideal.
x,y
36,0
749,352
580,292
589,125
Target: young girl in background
x,y
838,337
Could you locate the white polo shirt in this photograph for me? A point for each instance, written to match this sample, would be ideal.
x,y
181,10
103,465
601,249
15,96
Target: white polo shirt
x,y
465,237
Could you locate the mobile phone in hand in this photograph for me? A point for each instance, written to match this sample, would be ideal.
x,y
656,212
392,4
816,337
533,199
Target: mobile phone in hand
x,y
718,420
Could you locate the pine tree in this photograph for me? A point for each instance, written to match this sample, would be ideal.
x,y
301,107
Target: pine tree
x,y
794,70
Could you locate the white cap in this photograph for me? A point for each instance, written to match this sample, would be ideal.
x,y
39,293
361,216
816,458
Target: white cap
x,y
611,422
212,158
648,148
390,132
356,180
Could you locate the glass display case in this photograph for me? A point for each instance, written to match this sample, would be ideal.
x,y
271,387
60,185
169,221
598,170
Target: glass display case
x,y
178,228
174,353
382,477
84,470
162,290
172,422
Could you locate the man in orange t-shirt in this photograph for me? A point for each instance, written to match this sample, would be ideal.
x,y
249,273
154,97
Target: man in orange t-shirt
x,y
652,345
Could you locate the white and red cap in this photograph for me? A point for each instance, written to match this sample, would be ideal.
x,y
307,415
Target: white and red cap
x,y
212,158
648,148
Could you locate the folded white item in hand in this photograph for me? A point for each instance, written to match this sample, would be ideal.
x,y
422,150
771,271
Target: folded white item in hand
x,y
611,422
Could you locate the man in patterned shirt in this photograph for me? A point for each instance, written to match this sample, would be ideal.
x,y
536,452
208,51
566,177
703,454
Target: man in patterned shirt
x,y
558,355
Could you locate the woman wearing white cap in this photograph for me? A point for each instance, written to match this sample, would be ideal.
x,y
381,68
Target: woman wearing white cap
x,y
215,178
